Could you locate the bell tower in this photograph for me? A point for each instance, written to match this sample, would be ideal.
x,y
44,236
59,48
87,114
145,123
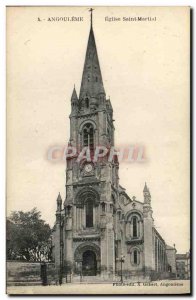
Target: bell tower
x,y
91,184
99,230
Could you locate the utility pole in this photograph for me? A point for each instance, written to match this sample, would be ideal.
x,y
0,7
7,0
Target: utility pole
x,y
122,260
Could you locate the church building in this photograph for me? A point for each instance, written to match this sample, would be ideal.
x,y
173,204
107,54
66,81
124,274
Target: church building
x,y
99,230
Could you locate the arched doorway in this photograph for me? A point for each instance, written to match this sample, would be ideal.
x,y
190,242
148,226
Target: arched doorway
x,y
87,257
89,263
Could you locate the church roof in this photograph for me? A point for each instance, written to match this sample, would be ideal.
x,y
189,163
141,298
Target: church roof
x,y
121,189
169,247
92,83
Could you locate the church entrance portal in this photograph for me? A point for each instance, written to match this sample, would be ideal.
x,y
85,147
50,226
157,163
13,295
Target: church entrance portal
x,y
89,263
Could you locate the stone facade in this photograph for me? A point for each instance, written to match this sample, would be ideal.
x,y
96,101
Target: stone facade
x,y
98,225
183,266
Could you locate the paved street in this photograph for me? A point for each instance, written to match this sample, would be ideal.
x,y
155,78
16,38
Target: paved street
x,y
156,287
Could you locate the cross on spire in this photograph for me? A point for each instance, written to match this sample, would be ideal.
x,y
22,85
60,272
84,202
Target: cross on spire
x,y
91,11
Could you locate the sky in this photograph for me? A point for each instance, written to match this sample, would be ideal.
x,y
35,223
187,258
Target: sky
x,y
145,70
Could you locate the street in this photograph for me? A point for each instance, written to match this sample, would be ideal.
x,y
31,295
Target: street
x,y
155,287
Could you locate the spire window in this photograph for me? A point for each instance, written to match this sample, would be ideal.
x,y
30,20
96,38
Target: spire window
x,y
88,136
87,102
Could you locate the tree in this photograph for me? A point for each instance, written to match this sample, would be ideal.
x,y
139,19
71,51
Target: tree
x,y
29,237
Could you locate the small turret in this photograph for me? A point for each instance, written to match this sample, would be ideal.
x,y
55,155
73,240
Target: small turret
x,y
59,202
74,101
148,224
147,196
145,188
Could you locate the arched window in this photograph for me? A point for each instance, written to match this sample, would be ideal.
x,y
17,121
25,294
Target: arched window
x,y
136,257
108,135
69,210
103,207
89,213
87,102
88,136
113,199
135,227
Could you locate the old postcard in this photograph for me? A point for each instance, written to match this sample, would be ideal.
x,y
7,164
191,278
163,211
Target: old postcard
x,y
98,150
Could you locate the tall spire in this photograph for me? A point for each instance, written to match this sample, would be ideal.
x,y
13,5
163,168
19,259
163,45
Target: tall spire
x,y
91,11
92,83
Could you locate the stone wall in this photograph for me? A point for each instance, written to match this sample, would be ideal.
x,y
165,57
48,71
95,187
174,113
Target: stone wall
x,y
28,273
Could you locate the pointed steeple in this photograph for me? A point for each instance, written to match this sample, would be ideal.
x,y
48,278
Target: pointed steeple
x,y
147,196
59,202
74,101
74,95
92,83
91,11
59,199
145,188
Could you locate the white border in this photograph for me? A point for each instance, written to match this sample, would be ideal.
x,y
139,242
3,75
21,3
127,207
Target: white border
x,y
3,5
